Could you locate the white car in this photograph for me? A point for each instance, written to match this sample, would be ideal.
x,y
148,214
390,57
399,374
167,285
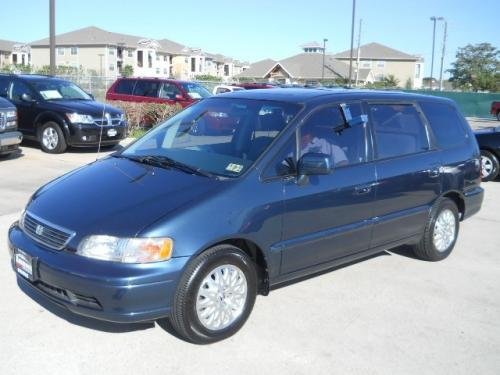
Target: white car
x,y
225,88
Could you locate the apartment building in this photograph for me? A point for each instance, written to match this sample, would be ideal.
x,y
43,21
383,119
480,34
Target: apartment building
x,y
13,53
384,61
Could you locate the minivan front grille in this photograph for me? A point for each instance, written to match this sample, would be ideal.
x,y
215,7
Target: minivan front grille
x,y
3,120
108,121
47,234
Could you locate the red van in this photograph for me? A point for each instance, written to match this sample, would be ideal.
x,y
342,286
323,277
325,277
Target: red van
x,y
157,90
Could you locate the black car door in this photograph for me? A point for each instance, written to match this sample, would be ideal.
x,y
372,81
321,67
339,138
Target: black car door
x,y
26,108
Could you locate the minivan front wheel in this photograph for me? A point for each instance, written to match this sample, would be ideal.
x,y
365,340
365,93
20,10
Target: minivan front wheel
x,y
51,138
441,232
215,295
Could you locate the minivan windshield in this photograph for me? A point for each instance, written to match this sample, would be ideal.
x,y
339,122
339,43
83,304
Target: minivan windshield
x,y
195,91
221,136
60,90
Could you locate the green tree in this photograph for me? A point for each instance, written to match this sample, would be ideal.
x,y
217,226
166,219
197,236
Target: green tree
x,y
208,77
476,67
128,71
391,81
409,84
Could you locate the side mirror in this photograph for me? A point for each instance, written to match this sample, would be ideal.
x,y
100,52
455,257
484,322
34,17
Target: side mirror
x,y
314,164
27,98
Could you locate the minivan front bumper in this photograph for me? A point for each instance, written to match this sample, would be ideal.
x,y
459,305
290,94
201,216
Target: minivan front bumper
x,y
115,292
91,134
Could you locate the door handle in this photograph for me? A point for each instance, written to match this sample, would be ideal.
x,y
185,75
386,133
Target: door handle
x,y
363,189
434,173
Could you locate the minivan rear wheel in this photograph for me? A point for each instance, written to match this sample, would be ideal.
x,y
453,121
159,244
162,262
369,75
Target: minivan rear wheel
x,y
215,295
51,138
441,232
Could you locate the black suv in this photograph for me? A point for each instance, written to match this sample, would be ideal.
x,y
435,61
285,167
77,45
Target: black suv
x,y
57,113
9,137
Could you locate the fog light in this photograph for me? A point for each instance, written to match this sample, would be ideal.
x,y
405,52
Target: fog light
x,y
84,138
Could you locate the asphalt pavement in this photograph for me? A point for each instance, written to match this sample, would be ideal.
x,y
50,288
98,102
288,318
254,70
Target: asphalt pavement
x,y
389,314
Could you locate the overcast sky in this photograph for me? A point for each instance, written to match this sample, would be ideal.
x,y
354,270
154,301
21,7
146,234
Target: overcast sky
x,y
257,29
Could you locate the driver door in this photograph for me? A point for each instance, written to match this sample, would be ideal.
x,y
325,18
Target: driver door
x,y
330,216
26,110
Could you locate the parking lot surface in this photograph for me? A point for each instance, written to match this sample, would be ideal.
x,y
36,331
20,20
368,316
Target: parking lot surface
x,y
390,314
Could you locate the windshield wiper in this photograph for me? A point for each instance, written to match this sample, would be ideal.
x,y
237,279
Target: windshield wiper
x,y
166,162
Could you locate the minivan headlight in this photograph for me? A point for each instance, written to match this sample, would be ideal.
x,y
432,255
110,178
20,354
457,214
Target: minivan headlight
x,y
77,118
126,250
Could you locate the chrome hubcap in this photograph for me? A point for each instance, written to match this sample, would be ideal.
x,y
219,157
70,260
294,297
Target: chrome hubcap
x,y
50,138
486,166
444,230
221,297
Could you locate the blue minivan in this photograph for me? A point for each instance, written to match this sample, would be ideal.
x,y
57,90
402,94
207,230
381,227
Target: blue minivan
x,y
188,227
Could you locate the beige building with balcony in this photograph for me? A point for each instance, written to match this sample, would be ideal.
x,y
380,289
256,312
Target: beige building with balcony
x,y
13,53
384,61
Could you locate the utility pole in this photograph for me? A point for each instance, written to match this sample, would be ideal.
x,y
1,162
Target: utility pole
x,y
359,52
352,39
323,67
442,56
433,19
52,31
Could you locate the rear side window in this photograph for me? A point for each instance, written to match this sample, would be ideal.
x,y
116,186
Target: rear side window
x,y
125,86
398,130
446,124
147,88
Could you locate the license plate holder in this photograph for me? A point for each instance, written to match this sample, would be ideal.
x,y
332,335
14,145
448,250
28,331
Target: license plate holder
x,y
112,132
25,264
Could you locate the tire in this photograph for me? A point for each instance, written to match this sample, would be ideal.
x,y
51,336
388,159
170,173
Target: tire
x,y
441,232
51,138
192,309
489,166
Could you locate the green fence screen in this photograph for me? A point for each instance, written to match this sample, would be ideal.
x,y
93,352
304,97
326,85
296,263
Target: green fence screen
x,y
472,104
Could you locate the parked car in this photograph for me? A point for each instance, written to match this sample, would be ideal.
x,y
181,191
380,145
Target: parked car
x,y
190,228
157,90
495,109
10,138
256,85
220,89
57,113
489,143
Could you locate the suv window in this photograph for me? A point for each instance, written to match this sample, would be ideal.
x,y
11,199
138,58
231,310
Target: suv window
x,y
284,164
169,91
446,124
4,86
125,86
18,89
398,130
147,88
323,132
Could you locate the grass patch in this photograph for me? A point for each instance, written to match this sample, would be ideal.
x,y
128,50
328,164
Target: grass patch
x,y
138,132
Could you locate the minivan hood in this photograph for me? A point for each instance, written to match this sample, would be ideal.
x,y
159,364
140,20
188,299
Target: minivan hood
x,y
116,196
84,107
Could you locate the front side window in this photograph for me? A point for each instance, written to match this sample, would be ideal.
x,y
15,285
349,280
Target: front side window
x,y
221,136
60,90
146,88
18,89
398,130
324,132
170,91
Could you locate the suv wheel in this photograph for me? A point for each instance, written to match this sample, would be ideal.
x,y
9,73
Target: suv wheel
x,y
215,295
441,232
51,138
489,165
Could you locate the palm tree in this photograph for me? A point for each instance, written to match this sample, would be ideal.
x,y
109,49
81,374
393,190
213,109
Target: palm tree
x,y
391,81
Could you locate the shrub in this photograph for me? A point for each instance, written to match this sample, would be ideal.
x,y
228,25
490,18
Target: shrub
x,y
143,115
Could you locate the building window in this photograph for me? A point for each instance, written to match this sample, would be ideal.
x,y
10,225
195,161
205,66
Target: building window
x,y
130,53
111,52
60,51
111,67
139,59
74,51
157,70
150,59
193,64
226,70
165,71
157,57
366,64
380,64
417,71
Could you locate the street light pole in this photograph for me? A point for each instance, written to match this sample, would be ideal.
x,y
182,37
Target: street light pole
x,y
433,19
352,39
323,66
52,37
442,56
